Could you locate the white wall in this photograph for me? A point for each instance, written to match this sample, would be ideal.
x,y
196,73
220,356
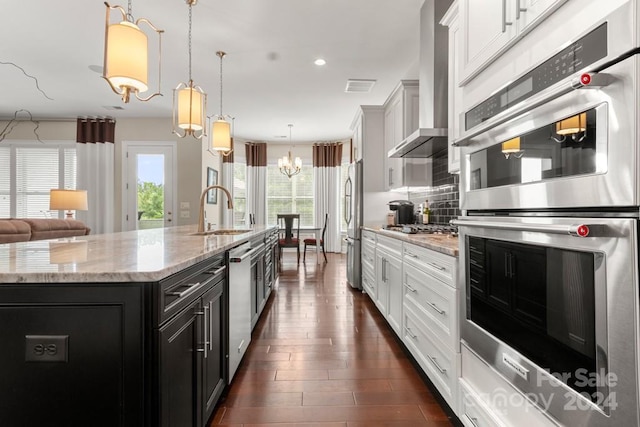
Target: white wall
x,y
190,163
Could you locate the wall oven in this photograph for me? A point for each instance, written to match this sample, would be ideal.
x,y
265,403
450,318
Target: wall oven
x,y
549,232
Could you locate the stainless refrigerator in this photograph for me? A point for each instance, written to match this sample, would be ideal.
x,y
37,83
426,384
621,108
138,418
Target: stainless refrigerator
x,y
353,202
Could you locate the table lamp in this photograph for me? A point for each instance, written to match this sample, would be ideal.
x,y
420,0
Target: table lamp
x,y
69,200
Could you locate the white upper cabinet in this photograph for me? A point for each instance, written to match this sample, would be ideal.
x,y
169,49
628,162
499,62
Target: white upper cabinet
x,y
367,127
451,20
489,27
400,120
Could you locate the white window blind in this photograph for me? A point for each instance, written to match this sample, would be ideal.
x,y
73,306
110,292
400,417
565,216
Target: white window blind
x,y
5,182
239,193
36,169
290,195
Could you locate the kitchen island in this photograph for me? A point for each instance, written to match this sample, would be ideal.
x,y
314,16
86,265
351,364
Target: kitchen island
x,y
122,329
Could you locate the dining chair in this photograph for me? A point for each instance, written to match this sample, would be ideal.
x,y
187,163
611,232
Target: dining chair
x,y
289,234
313,242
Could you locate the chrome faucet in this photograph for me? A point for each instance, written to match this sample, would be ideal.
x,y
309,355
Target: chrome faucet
x,y
204,193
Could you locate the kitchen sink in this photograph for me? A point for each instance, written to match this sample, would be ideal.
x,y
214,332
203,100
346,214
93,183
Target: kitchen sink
x,y
220,232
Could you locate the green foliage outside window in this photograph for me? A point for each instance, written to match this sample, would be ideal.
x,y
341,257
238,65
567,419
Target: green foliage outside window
x,y
151,200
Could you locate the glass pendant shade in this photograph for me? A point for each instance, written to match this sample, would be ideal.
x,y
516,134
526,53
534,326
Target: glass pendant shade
x,y
190,109
126,57
221,136
572,125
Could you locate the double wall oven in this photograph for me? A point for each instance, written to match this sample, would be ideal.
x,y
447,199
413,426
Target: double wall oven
x,y
549,232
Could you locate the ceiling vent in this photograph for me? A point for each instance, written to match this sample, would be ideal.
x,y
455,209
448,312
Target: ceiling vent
x,y
359,86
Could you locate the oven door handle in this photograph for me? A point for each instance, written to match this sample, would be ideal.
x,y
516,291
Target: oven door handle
x,y
577,230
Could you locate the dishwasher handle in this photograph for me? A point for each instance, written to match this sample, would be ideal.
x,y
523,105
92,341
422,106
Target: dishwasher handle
x,y
247,254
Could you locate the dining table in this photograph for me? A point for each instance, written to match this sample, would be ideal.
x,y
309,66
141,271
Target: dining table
x,y
317,232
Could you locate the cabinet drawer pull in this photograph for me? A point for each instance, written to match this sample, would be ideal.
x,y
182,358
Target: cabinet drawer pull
x,y
505,23
411,334
435,307
436,266
435,363
214,272
406,285
240,346
474,281
411,254
190,287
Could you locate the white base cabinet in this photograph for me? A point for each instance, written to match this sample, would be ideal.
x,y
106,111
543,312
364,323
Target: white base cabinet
x,y
414,289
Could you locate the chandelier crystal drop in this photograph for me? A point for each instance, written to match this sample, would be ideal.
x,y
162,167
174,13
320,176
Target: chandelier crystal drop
x,y
286,164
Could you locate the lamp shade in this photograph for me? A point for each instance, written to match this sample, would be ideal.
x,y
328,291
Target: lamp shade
x,y
511,146
190,109
73,200
221,136
126,56
572,125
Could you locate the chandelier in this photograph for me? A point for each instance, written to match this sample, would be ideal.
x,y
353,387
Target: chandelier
x,y
286,164
126,56
221,140
189,102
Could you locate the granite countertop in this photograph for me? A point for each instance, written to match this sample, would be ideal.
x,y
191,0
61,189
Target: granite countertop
x,y
442,243
130,256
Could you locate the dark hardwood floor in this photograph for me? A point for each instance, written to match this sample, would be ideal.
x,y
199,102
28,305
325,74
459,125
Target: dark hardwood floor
x,y
322,355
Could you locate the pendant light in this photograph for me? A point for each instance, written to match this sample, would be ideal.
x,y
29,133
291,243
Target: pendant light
x,y
189,102
220,128
286,164
511,148
125,65
572,126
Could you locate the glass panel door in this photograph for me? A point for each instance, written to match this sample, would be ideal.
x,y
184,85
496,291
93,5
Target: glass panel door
x,y
149,184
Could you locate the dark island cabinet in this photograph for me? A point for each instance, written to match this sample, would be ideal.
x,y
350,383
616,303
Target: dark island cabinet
x,y
71,355
114,354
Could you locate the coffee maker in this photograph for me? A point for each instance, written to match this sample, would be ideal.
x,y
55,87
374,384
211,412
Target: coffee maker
x,y
403,211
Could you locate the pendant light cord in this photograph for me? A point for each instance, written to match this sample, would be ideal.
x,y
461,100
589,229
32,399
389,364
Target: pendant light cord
x,y
221,55
190,15
130,11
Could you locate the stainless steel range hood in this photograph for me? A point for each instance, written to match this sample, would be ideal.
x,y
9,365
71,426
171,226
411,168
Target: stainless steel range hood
x,y
425,142
431,137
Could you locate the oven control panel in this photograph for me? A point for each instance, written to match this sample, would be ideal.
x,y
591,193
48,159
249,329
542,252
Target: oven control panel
x,y
582,53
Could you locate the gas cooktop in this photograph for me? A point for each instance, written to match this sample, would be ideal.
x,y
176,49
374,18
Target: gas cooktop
x,y
424,229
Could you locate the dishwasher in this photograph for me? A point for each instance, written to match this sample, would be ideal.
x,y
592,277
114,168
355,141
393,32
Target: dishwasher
x,y
240,263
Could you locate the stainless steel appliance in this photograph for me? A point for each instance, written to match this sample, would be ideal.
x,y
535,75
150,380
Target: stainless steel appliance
x,y
403,211
549,240
353,195
242,261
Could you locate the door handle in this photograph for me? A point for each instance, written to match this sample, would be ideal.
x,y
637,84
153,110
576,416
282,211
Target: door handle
x,y
206,333
519,9
504,17
211,325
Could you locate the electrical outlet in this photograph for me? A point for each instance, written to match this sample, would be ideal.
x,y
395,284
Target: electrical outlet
x,y
185,214
46,348
185,205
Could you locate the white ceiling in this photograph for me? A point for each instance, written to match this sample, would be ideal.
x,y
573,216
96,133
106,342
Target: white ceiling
x,y
268,74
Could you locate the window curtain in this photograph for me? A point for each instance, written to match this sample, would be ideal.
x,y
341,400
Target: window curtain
x,y
256,153
95,152
327,159
227,182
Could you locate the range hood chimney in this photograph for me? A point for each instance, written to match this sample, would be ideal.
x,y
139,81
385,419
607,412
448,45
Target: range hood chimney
x,y
431,136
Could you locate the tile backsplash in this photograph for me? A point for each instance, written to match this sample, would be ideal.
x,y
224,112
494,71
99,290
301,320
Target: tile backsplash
x,y
443,196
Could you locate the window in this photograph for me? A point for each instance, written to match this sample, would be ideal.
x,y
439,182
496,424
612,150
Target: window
x,y
290,195
34,169
239,193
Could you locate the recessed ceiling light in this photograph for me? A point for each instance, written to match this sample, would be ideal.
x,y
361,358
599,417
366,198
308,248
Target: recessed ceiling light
x,y
319,61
